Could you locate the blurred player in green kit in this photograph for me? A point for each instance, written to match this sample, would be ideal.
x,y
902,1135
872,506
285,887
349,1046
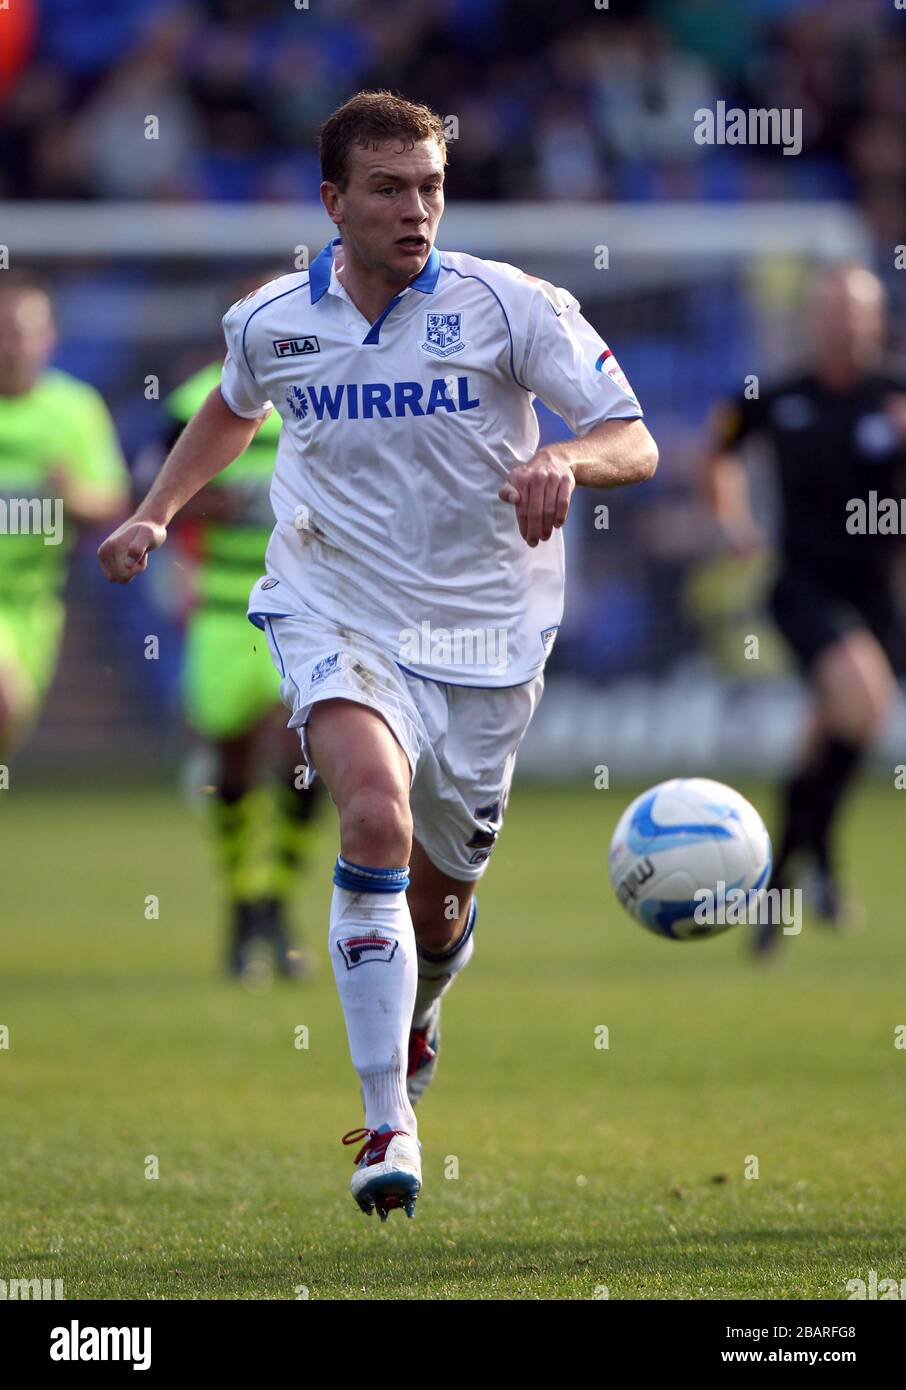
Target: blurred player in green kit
x,y
232,697
60,468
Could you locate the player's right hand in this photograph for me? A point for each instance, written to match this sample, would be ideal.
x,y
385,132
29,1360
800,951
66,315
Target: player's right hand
x,y
124,553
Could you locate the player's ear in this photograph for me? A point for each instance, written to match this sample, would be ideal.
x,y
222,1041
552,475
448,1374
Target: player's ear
x,y
331,198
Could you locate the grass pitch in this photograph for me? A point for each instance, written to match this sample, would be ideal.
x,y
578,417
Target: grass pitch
x,y
552,1168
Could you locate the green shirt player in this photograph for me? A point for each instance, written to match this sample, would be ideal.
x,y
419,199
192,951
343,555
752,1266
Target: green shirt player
x,y
232,692
60,467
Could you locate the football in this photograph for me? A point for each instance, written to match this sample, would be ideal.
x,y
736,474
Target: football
x,y
688,857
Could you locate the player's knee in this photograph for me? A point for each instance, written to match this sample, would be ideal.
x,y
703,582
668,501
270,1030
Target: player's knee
x,y
438,920
843,696
432,930
376,825
881,699
877,680
859,687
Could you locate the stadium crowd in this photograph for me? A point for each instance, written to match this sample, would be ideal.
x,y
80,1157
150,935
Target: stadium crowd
x,y
552,101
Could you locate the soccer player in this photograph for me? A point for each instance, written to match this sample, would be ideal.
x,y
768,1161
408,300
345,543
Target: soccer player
x,y
60,468
837,432
415,574
232,691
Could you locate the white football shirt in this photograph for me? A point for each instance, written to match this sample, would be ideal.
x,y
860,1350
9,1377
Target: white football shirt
x,y
397,437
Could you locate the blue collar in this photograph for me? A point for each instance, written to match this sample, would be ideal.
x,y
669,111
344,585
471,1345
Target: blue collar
x,y
426,280
321,266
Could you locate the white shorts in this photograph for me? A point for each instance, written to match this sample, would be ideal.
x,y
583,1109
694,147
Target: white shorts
x,y
461,741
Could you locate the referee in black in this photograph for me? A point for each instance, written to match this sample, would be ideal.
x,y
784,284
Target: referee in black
x,y
837,432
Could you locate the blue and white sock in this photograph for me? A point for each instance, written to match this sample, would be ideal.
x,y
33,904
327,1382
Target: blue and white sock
x,y
372,946
438,969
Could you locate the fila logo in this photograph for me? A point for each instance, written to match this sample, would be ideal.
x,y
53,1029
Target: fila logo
x,y
357,950
296,347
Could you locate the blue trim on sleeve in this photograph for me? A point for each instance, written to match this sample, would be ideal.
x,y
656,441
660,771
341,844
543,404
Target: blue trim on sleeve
x,y
295,289
358,878
611,420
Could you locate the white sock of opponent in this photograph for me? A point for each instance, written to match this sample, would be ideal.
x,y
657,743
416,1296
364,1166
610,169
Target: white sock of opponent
x,y
372,946
438,970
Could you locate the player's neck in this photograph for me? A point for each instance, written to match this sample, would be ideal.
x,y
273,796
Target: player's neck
x,y
369,291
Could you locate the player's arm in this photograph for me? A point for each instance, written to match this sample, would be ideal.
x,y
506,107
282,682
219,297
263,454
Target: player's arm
x,y
212,503
725,480
565,362
212,439
614,453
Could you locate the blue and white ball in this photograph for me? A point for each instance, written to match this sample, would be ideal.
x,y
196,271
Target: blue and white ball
x,y
679,839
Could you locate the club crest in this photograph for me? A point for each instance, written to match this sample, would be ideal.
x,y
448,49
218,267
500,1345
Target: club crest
x,y
443,335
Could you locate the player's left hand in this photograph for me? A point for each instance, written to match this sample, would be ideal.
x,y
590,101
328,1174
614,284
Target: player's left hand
x,y
541,491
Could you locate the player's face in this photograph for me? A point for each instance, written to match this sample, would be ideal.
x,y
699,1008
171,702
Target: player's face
x,y
390,208
26,338
849,319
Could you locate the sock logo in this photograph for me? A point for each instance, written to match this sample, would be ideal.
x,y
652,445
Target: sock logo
x,y
358,950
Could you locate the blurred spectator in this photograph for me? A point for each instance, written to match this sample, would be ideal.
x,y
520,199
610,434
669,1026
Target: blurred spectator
x,y
568,164
85,45
552,101
138,134
18,28
645,95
